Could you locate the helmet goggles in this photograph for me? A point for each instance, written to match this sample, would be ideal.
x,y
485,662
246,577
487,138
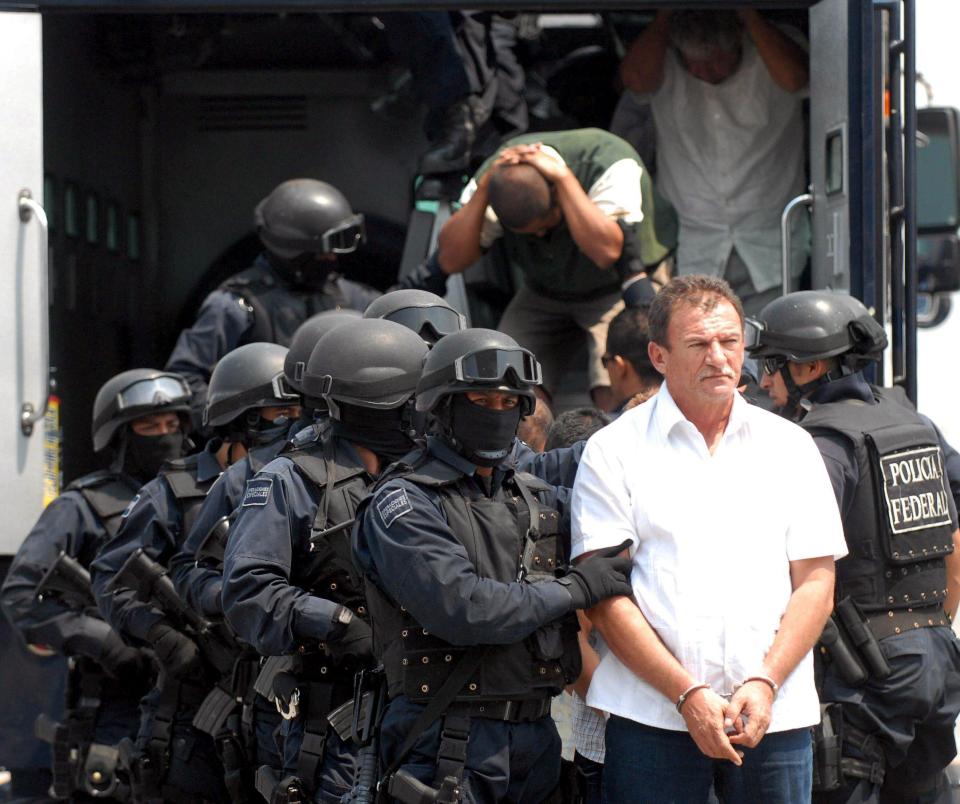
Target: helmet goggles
x,y
342,239
167,389
436,321
494,366
277,393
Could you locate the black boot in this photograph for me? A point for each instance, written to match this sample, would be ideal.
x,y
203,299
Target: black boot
x,y
451,150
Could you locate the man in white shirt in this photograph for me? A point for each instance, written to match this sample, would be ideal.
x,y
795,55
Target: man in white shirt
x,y
726,91
707,671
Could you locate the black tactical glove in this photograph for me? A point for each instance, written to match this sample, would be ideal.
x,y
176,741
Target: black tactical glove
x,y
352,638
177,654
600,576
119,659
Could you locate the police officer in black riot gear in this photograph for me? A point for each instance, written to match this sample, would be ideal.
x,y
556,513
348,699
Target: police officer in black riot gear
x,y
249,404
197,569
890,687
463,560
303,225
289,586
139,418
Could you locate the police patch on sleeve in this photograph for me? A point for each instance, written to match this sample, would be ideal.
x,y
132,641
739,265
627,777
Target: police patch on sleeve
x,y
392,506
258,492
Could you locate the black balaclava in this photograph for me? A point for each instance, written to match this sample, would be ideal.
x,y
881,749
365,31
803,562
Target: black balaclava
x,y
304,271
482,435
387,433
259,431
143,455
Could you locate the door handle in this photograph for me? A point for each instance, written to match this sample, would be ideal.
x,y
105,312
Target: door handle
x,y
30,414
805,200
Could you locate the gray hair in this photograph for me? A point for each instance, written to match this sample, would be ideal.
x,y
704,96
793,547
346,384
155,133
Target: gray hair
x,y
700,35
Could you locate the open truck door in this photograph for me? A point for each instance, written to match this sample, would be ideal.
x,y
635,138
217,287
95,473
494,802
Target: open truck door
x,y
29,437
24,360
863,168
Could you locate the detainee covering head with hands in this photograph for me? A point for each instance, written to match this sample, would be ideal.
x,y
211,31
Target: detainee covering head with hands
x,y
572,211
708,664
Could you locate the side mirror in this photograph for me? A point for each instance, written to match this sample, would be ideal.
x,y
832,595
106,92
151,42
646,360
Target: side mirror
x,y
938,263
938,170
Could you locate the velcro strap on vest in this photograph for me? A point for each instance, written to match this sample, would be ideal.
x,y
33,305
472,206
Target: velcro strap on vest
x,y
884,624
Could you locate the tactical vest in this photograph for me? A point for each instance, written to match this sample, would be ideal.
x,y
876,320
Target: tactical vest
x,y
181,477
278,307
108,494
511,537
899,529
328,571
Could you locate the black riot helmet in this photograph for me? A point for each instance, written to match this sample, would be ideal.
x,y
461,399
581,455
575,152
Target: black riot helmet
x,y
367,371
424,312
478,360
243,381
306,216
813,325
135,393
368,363
816,325
307,336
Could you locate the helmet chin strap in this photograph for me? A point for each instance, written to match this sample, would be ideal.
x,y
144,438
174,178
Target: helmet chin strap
x,y
798,396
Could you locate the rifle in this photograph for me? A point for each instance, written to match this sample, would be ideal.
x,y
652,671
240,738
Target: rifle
x,y
67,581
316,539
365,711
150,583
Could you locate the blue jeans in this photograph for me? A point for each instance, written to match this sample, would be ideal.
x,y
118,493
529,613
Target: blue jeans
x,y
644,764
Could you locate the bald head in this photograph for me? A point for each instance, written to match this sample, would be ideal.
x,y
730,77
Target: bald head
x,y
519,195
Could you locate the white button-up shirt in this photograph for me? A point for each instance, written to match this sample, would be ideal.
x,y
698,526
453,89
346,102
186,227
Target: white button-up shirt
x,y
712,541
729,158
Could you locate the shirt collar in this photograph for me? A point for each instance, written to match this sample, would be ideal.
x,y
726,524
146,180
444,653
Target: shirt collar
x,y
208,467
668,415
440,449
851,386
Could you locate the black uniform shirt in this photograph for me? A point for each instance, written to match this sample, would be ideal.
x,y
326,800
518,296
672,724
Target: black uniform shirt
x,y
404,545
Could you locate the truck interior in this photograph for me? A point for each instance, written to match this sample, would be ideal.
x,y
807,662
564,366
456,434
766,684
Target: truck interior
x,y
162,131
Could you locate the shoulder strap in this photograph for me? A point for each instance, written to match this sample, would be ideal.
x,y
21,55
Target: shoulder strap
x,y
183,482
249,285
106,493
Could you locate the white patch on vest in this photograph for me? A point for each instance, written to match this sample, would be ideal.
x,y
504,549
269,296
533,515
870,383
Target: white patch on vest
x,y
129,508
392,506
913,484
258,491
